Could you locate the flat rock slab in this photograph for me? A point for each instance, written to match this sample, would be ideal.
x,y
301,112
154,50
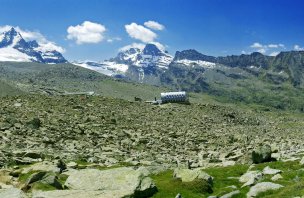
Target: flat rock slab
x,y
262,187
250,178
270,171
231,194
12,193
42,166
125,181
187,175
78,194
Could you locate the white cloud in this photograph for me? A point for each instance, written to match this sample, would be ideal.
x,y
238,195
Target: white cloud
x,y
256,45
133,45
154,25
276,45
298,48
262,50
140,32
111,40
87,32
45,45
267,48
274,53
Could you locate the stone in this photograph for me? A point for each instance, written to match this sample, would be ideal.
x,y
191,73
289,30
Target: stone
x,y
250,178
276,177
262,187
35,177
261,154
228,163
187,175
72,165
17,104
12,193
25,160
302,161
269,171
231,194
178,196
125,180
34,123
276,156
52,180
42,166
79,194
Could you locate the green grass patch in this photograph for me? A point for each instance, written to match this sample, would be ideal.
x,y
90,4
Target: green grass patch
x,y
169,187
42,187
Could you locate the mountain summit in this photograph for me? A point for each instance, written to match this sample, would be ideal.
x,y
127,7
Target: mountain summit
x,y
14,48
133,62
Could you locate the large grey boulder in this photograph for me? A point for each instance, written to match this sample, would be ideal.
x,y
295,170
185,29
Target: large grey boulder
x,y
261,154
125,181
78,194
262,187
231,194
302,161
270,171
188,175
250,178
43,166
11,193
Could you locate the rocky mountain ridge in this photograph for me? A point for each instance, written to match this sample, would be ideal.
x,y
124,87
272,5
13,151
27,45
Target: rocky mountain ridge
x,y
153,66
14,48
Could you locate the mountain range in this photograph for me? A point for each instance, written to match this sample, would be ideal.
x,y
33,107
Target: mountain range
x,y
14,48
276,81
154,66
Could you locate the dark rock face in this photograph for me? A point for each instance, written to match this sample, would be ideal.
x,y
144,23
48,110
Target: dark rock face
x,y
192,54
244,60
261,154
293,64
151,49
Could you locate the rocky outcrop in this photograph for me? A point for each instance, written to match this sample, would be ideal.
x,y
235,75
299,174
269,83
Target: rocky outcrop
x,y
125,181
12,193
250,178
261,154
262,187
187,175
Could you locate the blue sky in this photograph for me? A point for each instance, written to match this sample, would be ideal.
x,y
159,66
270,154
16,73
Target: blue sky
x,y
214,27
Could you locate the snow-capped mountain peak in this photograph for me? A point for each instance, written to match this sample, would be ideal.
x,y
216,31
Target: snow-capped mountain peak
x,y
14,48
147,57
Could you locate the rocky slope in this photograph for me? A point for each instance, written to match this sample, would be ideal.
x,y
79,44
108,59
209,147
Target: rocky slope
x,y
64,150
111,131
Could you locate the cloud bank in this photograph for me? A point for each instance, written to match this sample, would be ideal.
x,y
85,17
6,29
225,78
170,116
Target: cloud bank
x,y
87,32
140,32
154,25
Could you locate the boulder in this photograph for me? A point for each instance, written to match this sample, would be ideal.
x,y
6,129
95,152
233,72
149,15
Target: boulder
x,y
250,178
262,187
276,177
11,193
269,171
231,194
187,175
125,181
261,154
302,161
43,166
78,194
